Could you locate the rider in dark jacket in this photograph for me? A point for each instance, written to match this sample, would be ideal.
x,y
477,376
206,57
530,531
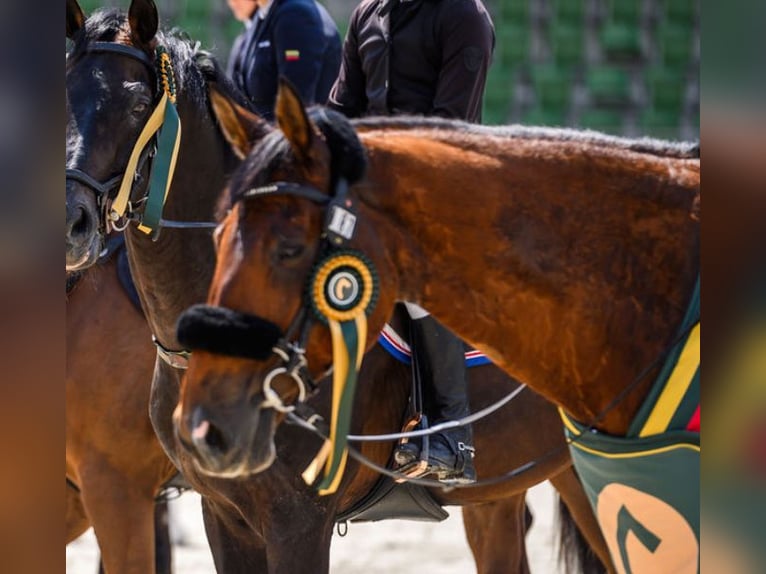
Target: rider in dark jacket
x,y
297,39
425,57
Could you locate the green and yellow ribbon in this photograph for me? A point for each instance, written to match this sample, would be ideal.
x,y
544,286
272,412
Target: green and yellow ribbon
x,y
164,119
343,291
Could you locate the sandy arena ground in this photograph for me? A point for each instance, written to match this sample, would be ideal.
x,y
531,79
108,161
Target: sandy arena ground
x,y
369,548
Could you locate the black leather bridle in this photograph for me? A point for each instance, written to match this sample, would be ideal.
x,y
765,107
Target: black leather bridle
x,y
104,190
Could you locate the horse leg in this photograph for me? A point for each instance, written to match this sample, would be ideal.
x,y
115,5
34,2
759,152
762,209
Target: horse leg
x,y
76,520
123,521
162,545
568,485
496,535
235,547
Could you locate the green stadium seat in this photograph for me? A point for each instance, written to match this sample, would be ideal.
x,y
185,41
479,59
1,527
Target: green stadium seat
x,y
625,11
571,11
512,45
681,11
552,86
498,83
494,115
514,12
676,44
694,125
659,123
621,42
538,116
666,88
694,120
568,45
608,85
498,95
607,121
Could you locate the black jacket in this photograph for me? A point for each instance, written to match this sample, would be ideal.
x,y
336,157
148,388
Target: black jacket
x,y
426,57
299,40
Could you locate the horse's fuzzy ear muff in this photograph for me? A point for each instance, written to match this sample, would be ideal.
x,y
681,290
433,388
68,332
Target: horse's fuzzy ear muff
x,y
143,20
75,18
241,127
293,120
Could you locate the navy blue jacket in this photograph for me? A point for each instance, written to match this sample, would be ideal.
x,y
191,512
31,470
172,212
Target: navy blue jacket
x,y
298,39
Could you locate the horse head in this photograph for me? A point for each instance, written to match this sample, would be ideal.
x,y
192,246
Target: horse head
x,y
111,85
262,339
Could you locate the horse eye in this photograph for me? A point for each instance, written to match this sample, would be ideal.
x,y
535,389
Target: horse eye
x,y
139,108
287,251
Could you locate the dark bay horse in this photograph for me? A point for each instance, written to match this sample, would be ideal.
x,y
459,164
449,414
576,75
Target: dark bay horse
x,y
569,258
115,466
271,522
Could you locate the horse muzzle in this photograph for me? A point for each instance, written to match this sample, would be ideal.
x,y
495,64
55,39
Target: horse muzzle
x,y
83,239
230,446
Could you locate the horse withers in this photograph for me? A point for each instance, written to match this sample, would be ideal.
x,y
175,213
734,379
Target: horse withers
x,y
570,258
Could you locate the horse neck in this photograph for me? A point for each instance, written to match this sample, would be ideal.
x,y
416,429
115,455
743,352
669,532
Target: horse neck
x,y
570,268
174,272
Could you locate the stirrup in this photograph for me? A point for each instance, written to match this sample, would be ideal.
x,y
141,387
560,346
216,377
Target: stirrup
x,y
410,460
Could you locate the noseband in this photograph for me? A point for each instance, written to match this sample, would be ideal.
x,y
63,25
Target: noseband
x,y
161,145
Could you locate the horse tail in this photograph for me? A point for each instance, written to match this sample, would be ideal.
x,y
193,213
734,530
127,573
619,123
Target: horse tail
x,y
575,553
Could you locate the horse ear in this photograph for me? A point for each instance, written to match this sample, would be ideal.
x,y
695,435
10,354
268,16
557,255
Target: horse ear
x,y
74,18
293,120
143,19
241,127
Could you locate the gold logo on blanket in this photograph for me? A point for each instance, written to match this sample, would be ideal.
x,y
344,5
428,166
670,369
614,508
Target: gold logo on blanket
x,y
645,534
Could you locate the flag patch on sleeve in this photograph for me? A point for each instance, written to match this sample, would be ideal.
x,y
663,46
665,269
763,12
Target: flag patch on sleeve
x,y
292,55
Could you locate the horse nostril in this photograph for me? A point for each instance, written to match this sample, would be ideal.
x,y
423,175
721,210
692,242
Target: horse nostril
x,y
206,437
80,223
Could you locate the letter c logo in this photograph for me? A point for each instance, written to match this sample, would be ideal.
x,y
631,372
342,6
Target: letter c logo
x,y
645,535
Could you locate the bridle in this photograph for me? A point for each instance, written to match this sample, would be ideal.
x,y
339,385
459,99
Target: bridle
x,y
157,145
341,292
110,214
290,349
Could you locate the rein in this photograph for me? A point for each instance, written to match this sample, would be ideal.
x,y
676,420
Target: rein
x,y
310,423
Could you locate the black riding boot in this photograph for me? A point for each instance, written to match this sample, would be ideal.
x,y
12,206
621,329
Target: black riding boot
x,y
440,356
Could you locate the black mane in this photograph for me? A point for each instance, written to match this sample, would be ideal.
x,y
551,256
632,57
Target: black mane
x,y
105,24
651,146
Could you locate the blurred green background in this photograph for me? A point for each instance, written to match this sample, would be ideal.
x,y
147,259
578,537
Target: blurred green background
x,y
627,67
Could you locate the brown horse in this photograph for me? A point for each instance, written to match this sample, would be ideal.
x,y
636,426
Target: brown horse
x,y
569,258
271,522
115,466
